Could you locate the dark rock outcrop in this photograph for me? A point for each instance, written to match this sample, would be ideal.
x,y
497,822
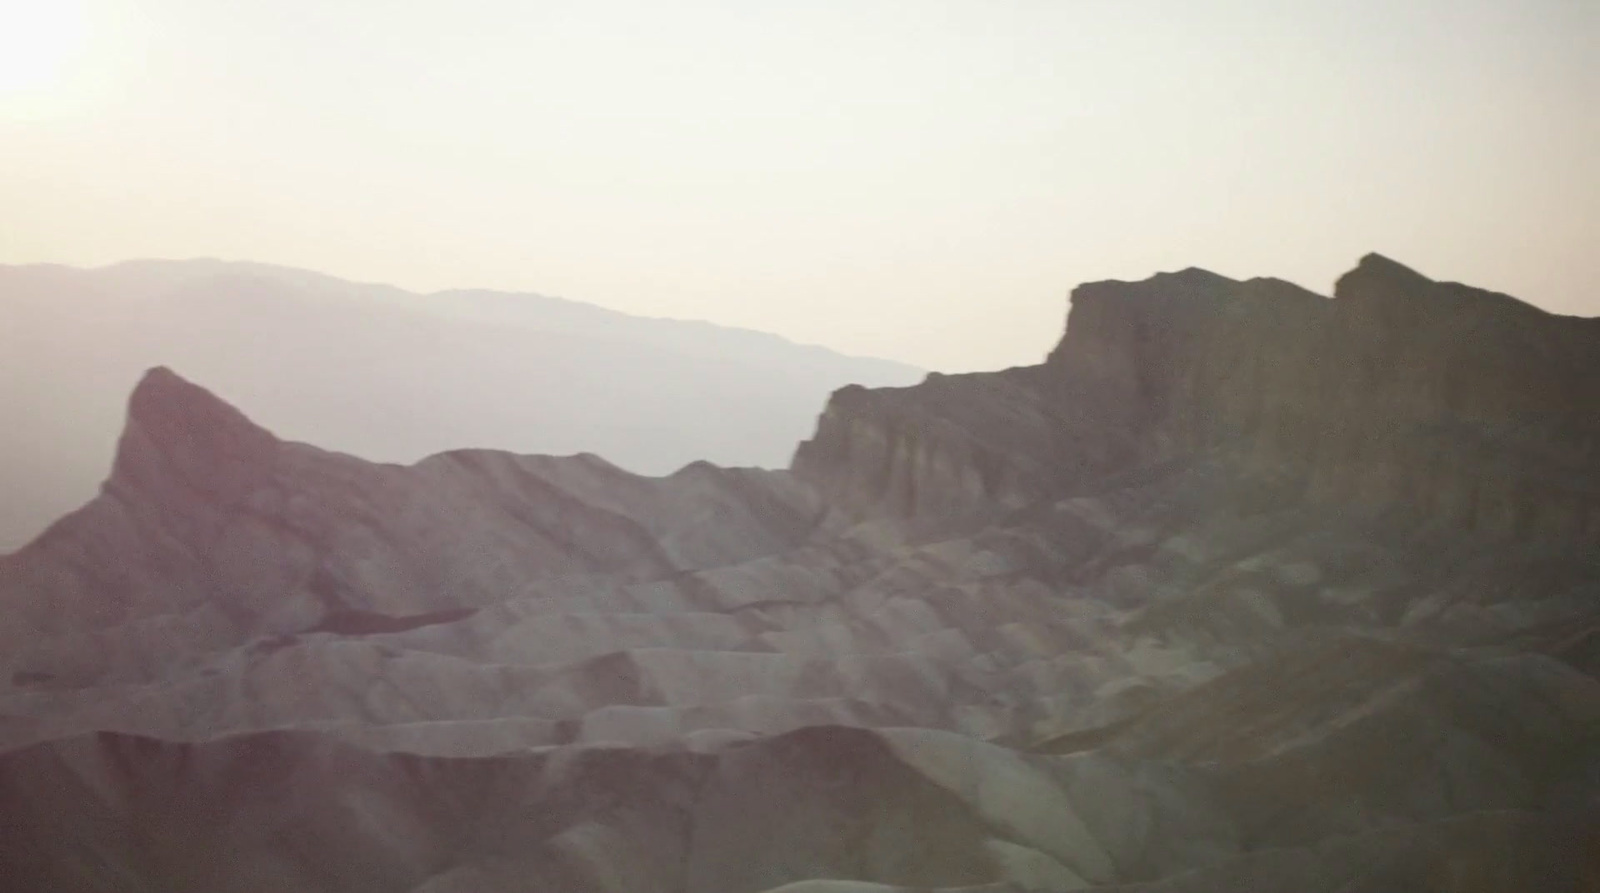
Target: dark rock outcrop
x,y
1460,405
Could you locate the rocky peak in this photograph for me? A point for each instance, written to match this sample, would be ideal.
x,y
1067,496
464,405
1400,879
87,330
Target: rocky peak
x,y
1376,275
179,432
1402,391
1393,306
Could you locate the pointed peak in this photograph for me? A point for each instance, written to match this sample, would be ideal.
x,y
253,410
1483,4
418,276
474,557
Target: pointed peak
x,y
157,379
1372,260
161,377
1376,274
1198,274
177,429
163,393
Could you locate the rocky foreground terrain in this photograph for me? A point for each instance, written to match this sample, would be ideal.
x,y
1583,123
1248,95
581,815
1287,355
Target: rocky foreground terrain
x,y
1244,589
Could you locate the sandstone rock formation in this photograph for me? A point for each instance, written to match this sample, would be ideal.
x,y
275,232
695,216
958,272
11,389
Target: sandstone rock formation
x,y
1243,589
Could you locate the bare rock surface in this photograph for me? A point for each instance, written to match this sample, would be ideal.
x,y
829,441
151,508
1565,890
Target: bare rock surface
x,y
1243,589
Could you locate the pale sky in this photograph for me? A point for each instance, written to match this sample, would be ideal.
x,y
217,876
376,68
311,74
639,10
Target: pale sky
x,y
921,180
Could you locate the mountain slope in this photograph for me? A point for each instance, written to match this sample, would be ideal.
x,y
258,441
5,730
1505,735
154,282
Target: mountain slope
x,y
385,374
1241,590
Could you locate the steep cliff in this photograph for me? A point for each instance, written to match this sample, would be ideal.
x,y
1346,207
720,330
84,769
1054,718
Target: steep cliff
x,y
1459,405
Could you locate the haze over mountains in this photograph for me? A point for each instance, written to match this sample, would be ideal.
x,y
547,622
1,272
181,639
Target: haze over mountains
x,y
1243,589
384,374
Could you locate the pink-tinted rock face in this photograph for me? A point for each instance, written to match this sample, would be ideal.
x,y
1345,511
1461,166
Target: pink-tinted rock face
x,y
1243,589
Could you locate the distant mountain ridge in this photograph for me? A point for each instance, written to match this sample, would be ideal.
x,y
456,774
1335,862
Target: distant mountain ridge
x,y
384,373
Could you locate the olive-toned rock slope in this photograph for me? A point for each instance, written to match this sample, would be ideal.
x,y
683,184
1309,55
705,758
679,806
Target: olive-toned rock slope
x,y
1243,589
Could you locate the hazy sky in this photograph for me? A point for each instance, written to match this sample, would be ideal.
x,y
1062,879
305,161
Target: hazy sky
x,y
922,180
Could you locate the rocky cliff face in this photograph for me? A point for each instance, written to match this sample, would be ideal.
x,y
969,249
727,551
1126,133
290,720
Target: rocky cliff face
x,y
1461,405
1243,589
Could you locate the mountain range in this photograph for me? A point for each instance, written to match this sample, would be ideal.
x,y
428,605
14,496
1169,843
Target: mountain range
x,y
385,374
1243,589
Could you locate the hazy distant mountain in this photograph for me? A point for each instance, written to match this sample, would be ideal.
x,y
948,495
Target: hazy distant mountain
x,y
384,373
